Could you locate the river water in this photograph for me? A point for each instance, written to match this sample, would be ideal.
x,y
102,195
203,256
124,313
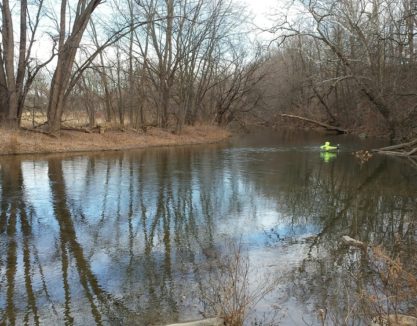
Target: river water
x,y
149,237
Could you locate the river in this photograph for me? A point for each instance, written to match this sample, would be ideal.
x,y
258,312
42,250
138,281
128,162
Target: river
x,y
154,236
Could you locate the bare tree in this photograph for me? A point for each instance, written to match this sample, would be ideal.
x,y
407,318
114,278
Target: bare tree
x,y
15,81
355,49
103,75
236,83
68,44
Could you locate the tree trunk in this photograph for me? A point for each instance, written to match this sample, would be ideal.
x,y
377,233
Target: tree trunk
x,y
59,83
103,77
66,56
131,77
21,66
4,96
164,100
8,60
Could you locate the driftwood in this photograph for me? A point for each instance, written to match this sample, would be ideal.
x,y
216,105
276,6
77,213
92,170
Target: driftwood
x,y
405,149
322,124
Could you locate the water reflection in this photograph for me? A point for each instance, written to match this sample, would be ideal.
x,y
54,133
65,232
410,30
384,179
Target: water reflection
x,y
327,156
126,238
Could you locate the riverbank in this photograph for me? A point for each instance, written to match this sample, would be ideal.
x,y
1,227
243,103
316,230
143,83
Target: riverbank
x,y
14,142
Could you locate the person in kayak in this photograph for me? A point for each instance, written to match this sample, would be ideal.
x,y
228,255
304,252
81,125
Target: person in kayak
x,y
328,147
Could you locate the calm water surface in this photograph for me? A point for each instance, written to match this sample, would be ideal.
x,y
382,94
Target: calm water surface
x,y
128,238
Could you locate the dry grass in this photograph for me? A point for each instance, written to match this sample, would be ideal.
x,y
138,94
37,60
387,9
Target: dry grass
x,y
28,142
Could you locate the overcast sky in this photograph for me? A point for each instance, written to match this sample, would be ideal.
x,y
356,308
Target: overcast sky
x,y
265,14
261,8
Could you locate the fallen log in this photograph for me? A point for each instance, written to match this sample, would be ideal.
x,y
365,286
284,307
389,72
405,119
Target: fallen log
x,y
405,149
85,130
392,153
398,146
319,123
39,131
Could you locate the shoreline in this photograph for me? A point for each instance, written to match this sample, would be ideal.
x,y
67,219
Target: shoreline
x,y
21,142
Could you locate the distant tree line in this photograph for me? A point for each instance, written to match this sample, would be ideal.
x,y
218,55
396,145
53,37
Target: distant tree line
x,y
170,63
350,62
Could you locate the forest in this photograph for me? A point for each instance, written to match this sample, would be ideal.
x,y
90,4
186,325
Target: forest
x,y
172,63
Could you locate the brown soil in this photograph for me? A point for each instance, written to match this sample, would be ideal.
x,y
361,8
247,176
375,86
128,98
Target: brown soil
x,y
29,142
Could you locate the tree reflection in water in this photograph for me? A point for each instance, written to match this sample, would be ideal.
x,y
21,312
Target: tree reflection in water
x,y
128,238
108,240
375,204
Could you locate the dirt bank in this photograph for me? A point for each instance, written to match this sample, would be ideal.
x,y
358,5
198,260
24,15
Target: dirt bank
x,y
27,142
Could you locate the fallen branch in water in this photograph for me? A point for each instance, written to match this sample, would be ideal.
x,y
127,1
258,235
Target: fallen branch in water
x,y
322,124
404,149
